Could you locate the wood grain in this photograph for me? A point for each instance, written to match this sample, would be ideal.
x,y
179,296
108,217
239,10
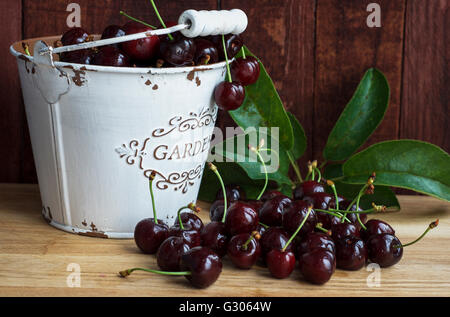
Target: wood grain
x,y
12,112
34,259
281,34
425,98
345,48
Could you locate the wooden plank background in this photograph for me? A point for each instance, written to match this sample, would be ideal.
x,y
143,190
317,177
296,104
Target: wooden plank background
x,y
315,50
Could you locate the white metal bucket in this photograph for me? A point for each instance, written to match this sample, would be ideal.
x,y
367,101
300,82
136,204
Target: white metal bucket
x,y
97,133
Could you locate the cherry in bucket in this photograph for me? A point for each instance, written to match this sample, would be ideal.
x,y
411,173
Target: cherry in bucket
x,y
229,95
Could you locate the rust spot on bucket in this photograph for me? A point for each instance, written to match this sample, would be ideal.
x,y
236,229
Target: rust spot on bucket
x,y
94,228
93,234
26,60
198,81
84,223
190,75
85,68
155,87
78,79
148,82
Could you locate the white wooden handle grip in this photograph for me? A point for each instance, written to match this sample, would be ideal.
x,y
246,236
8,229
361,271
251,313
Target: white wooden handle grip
x,y
204,23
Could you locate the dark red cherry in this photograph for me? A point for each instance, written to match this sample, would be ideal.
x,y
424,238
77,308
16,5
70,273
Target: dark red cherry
x,y
353,217
205,266
374,227
269,194
233,43
112,31
317,266
351,253
74,36
342,230
189,235
190,219
274,238
234,192
142,49
342,201
256,204
169,253
280,263
295,213
260,228
205,52
229,96
383,251
307,189
78,57
315,240
245,70
215,237
241,218
148,235
272,210
243,256
177,52
216,210
111,56
321,200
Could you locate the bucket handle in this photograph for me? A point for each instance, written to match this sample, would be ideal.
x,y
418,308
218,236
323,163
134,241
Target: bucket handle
x,y
191,23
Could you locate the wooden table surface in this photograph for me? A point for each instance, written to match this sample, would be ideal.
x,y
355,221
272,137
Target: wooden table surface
x,y
34,258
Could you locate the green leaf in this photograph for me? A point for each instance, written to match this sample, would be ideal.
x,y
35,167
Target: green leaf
x,y
360,118
262,107
299,137
410,164
236,150
383,195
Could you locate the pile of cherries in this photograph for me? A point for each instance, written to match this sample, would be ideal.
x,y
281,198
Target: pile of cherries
x,y
170,50
314,229
152,51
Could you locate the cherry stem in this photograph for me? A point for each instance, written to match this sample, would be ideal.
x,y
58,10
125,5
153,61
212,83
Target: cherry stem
x,y
298,229
336,214
213,168
333,187
318,173
264,225
357,216
151,178
319,227
137,20
432,225
26,48
254,235
179,216
257,152
243,52
160,19
295,166
357,198
125,273
335,211
226,59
